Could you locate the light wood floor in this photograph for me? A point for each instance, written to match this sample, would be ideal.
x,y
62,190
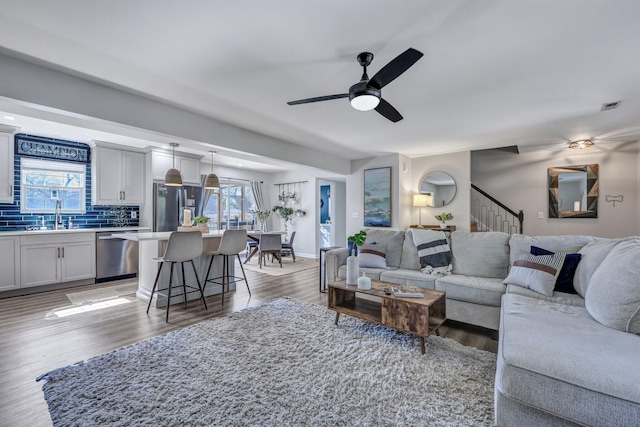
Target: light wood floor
x,y
33,340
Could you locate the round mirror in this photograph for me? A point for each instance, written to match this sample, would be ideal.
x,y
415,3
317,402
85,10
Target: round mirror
x,y
439,187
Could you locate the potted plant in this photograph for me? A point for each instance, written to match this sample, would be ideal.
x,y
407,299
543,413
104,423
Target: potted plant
x,y
443,218
262,217
202,223
355,241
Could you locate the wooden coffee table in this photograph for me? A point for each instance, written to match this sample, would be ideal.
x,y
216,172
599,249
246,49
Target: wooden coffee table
x,y
419,316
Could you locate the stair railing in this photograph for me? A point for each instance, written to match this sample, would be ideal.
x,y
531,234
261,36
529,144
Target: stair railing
x,y
491,215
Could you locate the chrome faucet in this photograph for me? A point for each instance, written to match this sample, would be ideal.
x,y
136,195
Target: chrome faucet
x,y
58,221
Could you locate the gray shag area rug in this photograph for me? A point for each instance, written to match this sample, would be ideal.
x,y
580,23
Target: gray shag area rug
x,y
280,363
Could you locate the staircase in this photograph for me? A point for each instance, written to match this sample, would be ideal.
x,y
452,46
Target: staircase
x,y
488,214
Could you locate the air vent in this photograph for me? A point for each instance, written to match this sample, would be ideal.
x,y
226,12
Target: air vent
x,y
610,105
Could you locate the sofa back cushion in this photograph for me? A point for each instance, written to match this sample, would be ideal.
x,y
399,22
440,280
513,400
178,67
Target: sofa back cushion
x,y
520,244
480,254
393,239
410,259
592,255
613,294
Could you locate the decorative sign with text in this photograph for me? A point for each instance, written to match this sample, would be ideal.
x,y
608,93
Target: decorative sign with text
x,y
50,148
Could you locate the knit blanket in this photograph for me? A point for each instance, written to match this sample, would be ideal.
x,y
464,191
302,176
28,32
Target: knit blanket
x,y
433,250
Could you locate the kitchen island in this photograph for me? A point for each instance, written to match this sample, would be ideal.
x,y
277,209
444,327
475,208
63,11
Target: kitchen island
x,y
153,244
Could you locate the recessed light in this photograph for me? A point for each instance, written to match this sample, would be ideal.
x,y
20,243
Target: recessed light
x,y
9,117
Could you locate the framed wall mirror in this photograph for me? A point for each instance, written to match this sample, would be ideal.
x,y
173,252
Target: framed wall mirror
x,y
573,191
440,188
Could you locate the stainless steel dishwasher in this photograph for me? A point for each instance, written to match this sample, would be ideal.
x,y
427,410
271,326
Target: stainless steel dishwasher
x,y
116,258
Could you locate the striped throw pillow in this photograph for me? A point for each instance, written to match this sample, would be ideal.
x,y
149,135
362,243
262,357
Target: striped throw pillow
x,y
536,272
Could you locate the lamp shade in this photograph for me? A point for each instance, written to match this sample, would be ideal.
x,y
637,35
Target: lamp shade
x,y
173,178
212,182
420,200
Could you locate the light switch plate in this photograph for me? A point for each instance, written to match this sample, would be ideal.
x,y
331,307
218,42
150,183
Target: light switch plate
x,y
540,215
354,215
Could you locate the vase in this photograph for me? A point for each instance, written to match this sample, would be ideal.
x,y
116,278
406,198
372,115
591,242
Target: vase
x,y
352,270
443,225
263,226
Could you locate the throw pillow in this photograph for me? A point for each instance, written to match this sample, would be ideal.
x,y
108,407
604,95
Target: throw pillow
x,y
433,250
536,272
613,293
373,255
564,282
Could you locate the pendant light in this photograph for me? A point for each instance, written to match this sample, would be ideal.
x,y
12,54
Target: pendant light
x,y
212,182
173,177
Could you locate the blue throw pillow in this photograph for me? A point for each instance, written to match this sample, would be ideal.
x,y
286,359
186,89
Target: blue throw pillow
x,y
564,282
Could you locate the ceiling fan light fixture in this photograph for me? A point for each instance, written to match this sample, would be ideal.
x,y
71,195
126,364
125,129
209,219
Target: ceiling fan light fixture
x,y
581,144
363,97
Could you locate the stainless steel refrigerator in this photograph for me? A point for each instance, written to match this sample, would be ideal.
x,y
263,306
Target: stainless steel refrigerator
x,y
169,204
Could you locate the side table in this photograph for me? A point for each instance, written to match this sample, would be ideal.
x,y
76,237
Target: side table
x,y
323,267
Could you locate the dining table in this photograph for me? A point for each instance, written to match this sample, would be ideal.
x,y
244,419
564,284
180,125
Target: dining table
x,y
255,236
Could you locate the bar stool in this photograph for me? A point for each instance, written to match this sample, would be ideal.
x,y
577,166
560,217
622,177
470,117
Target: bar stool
x,y
182,247
232,243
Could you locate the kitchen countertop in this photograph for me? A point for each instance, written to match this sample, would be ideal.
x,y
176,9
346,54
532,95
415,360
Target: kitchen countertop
x,y
164,235
73,230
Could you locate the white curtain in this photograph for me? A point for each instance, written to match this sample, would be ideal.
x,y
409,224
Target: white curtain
x,y
258,200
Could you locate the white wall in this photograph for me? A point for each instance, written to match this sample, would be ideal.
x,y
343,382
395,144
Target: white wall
x,y
457,165
520,182
355,193
305,243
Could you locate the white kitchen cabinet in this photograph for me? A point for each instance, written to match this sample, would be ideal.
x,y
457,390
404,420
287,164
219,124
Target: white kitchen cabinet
x,y
6,164
189,166
118,177
9,263
48,259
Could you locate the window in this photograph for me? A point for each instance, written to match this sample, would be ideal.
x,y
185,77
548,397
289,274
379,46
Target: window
x,y
231,206
43,182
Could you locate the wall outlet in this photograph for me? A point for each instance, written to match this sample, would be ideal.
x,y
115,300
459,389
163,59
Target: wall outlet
x,y
134,215
540,215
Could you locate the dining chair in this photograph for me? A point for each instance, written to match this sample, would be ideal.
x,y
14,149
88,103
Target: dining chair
x,y
288,246
231,244
182,246
269,244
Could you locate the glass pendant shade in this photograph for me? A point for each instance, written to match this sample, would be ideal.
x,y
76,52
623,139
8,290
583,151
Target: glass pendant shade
x,y
173,177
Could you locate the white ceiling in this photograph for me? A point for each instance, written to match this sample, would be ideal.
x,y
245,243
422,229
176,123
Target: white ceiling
x,y
494,73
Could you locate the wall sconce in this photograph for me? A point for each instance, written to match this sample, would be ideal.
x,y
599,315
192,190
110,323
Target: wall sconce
x,y
581,144
421,201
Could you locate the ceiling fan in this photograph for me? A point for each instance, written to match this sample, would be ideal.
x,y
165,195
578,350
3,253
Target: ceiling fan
x,y
367,93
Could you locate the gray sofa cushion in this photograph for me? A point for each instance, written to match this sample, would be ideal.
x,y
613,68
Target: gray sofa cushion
x,y
478,290
480,254
410,259
559,359
558,297
394,240
592,256
409,277
520,244
613,295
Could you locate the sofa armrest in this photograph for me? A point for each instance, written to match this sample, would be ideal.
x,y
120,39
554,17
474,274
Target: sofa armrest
x,y
333,260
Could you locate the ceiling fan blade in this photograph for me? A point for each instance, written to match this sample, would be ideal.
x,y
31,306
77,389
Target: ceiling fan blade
x,y
388,111
396,67
318,99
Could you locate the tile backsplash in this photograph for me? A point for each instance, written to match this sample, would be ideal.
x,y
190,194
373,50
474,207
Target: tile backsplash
x,y
94,217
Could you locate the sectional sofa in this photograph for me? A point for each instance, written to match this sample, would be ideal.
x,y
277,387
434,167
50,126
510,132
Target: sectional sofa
x,y
568,353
